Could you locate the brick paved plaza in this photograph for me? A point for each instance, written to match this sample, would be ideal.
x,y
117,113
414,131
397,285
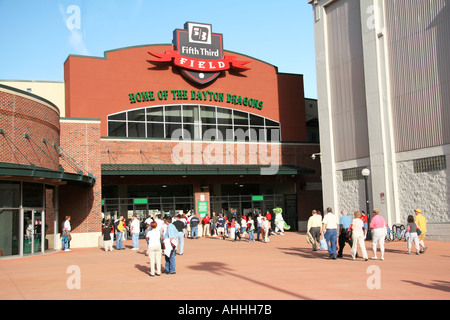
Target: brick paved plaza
x,y
213,269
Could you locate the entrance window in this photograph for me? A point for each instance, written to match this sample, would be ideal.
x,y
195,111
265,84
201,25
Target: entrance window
x,y
32,234
9,194
24,222
33,195
9,232
197,123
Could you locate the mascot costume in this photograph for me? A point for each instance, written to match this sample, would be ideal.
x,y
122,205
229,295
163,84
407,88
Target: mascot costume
x,y
280,224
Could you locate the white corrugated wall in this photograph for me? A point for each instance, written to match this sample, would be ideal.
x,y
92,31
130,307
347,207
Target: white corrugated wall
x,y
347,87
419,54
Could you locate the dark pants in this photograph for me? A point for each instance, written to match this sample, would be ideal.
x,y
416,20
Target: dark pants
x,y
315,233
342,241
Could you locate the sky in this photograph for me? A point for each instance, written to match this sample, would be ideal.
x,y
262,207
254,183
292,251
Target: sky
x,y
36,37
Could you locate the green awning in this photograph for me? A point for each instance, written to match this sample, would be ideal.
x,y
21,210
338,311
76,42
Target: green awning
x,y
186,170
32,171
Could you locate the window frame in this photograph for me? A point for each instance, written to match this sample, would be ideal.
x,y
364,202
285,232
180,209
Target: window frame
x,y
266,123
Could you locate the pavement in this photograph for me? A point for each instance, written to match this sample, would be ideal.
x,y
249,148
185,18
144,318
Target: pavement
x,y
214,269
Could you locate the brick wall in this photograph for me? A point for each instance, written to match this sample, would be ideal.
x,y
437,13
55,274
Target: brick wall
x,y
128,151
22,115
80,142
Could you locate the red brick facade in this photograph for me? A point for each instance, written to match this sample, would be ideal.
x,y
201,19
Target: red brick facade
x,y
32,136
124,80
98,87
26,122
80,140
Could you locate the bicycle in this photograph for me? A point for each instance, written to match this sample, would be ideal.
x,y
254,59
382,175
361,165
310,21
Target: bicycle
x,y
397,232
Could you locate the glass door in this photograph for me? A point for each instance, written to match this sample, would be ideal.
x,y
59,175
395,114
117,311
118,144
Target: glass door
x,y
33,221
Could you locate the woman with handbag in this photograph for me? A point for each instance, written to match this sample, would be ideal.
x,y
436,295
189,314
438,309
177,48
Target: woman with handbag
x,y
358,236
413,231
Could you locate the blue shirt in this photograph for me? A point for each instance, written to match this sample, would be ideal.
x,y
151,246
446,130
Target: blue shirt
x,y
171,232
221,222
345,221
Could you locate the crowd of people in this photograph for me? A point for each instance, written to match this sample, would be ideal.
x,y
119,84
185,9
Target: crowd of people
x,y
333,233
166,236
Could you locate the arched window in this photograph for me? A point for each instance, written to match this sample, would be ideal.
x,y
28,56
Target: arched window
x,y
193,122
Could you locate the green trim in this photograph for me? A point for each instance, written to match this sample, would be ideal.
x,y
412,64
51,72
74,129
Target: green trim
x,y
192,170
21,170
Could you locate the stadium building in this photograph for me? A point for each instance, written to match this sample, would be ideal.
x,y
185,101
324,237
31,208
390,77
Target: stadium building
x,y
153,129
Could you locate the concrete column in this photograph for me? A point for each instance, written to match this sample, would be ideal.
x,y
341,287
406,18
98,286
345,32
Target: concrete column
x,y
379,115
328,162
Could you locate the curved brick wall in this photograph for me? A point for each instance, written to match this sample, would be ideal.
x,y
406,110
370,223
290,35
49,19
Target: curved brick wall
x,y
23,114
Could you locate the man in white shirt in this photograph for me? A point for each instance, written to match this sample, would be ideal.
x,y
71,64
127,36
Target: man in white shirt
x,y
314,227
159,223
148,221
135,230
329,228
68,229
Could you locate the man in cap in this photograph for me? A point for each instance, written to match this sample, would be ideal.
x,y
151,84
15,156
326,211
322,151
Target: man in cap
x,y
421,223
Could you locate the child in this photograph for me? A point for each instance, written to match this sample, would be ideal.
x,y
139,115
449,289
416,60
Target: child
x,y
107,237
237,229
64,240
411,228
243,225
250,228
266,227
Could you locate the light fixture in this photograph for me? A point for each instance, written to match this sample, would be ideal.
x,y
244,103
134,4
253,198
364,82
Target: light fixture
x,y
366,173
315,155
